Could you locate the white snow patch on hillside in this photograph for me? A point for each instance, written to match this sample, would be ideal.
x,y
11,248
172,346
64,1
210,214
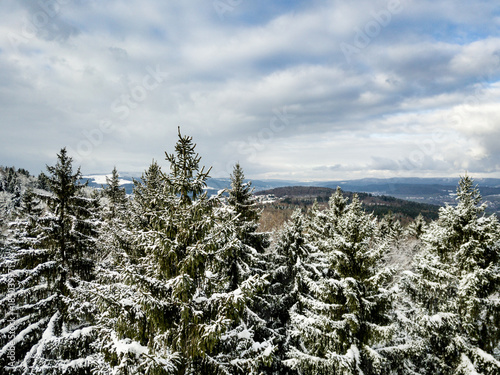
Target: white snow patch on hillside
x,y
101,179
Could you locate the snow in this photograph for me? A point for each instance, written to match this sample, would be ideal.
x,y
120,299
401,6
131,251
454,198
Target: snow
x,y
128,346
200,299
245,334
436,319
466,366
353,355
82,332
485,357
209,274
21,335
101,179
268,351
127,302
49,331
77,363
10,327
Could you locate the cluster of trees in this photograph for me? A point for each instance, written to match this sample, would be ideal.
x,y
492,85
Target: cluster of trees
x,y
171,281
10,181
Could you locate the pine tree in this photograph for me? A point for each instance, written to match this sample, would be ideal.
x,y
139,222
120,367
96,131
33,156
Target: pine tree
x,y
454,289
322,224
401,246
114,231
45,326
128,287
391,228
341,319
73,229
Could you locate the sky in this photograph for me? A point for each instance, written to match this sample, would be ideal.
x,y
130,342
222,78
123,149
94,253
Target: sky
x,y
296,90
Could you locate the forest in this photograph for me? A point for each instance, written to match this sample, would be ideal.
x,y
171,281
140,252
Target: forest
x,y
168,280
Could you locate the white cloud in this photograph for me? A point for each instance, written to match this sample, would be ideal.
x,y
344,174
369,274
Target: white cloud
x,y
267,85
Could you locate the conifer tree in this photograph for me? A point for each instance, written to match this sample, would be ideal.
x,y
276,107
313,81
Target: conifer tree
x,y
322,224
115,194
42,182
247,259
287,257
391,228
113,232
172,311
30,204
342,313
11,181
150,197
44,320
241,196
454,288
25,229
417,227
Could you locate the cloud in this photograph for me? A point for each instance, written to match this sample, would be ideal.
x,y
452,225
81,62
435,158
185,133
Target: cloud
x,y
265,84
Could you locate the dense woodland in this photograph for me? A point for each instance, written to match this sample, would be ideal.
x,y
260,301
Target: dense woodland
x,y
171,281
289,198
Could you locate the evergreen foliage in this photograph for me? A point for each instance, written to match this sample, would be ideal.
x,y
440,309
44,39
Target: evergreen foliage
x,y
246,259
245,264
290,250
417,227
341,318
173,308
454,289
172,281
116,194
45,325
241,196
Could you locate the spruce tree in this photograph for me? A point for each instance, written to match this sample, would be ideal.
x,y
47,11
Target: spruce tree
x,y
241,196
45,325
391,229
172,310
417,227
286,260
150,197
245,262
42,182
11,181
453,290
113,232
115,194
247,258
341,319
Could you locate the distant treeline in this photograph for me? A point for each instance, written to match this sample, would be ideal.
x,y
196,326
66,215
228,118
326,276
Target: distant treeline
x,y
305,196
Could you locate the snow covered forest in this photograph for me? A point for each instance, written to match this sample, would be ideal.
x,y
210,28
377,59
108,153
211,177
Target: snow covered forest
x,y
171,281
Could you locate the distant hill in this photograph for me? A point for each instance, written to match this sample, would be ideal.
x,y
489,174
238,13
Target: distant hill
x,y
434,191
379,205
99,180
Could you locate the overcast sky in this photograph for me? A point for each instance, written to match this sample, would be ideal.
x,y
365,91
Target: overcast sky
x,y
302,90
